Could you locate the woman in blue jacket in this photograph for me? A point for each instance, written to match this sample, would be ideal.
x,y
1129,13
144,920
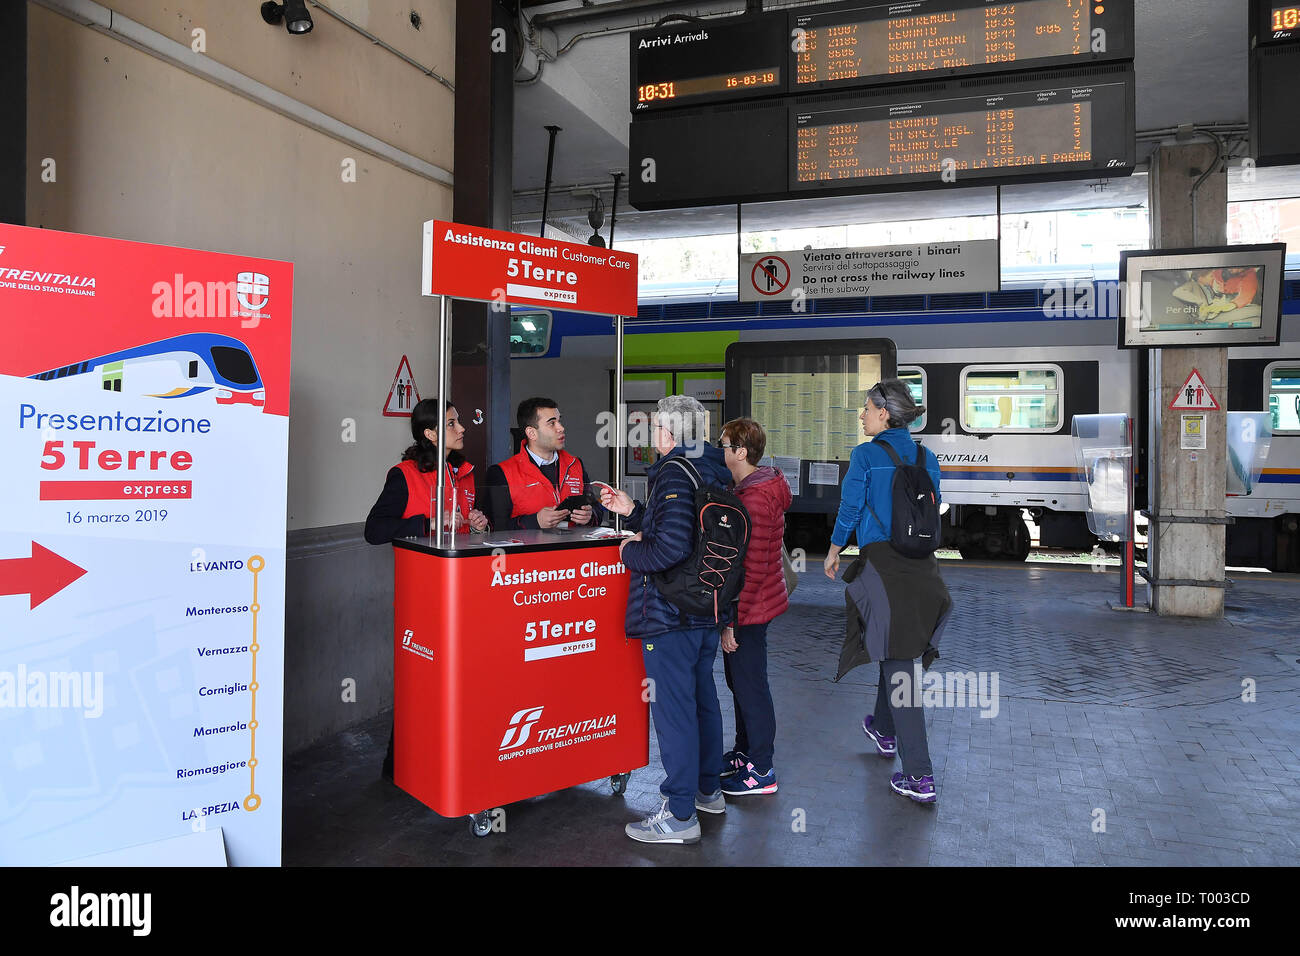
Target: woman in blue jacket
x,y
897,726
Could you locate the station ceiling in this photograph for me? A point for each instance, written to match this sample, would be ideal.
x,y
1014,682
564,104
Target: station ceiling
x,y
1191,66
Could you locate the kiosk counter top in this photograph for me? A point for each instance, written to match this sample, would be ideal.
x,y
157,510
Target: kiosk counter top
x,y
470,545
512,674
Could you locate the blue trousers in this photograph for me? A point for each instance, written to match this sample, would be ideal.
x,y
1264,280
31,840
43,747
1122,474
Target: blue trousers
x,y
746,671
687,718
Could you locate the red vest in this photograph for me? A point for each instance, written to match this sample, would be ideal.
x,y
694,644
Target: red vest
x,y
531,491
421,486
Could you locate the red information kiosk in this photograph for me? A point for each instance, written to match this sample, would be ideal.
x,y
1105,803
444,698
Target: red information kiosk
x,y
512,676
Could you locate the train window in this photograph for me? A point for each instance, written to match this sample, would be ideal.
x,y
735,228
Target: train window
x,y
1282,385
913,377
530,334
194,368
1024,398
234,365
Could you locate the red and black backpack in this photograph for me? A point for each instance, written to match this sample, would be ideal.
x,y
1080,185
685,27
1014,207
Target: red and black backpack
x,y
714,574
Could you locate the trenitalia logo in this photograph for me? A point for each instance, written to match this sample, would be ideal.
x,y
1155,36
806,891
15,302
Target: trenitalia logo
x,y
415,647
521,725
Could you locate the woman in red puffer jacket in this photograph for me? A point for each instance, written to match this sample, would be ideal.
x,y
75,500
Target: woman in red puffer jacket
x,y
747,768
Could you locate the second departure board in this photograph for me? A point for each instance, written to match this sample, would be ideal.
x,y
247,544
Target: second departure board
x,y
1040,131
865,44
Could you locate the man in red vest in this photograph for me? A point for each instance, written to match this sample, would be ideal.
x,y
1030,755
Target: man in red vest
x,y
525,491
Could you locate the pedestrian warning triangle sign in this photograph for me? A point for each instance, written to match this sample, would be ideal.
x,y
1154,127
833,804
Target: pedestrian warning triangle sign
x,y
402,394
1194,394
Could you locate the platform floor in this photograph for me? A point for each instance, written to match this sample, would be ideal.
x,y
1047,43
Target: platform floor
x,y
1131,714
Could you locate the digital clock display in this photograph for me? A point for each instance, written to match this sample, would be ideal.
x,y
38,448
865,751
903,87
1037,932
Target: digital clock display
x,y
1033,131
885,43
708,61
1284,22
724,83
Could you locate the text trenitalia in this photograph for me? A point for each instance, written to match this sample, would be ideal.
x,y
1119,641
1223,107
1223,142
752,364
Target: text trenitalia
x,y
590,569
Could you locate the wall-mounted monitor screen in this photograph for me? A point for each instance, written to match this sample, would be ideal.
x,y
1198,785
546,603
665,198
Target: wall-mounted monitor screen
x,y
1189,297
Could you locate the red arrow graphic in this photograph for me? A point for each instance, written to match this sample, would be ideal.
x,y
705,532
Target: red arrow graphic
x,y
43,575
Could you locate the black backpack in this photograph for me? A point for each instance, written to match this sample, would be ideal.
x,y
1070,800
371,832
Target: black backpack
x,y
914,531
712,577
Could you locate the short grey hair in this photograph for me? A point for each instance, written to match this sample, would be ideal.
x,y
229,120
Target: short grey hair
x,y
684,417
893,395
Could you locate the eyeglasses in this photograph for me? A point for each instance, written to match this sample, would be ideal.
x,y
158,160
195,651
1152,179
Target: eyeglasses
x,y
723,445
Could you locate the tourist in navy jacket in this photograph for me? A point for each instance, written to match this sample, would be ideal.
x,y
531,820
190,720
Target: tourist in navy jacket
x,y
679,649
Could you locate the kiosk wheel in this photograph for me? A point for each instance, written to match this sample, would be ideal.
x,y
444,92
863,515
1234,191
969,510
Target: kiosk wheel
x,y
480,824
618,782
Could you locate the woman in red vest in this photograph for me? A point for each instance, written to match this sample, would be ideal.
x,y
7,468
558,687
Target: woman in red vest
x,y
405,505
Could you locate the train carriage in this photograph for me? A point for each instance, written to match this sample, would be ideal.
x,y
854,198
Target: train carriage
x,y
1001,373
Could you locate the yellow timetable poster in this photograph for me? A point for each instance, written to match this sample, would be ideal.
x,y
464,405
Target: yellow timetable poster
x,y
813,415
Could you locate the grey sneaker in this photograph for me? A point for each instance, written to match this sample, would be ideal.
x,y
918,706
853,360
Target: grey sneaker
x,y
663,827
716,803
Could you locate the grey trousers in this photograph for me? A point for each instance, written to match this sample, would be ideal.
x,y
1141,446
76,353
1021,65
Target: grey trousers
x,y
902,716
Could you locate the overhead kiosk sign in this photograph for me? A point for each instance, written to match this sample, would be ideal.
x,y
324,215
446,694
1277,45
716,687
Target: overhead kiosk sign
x,y
144,403
470,262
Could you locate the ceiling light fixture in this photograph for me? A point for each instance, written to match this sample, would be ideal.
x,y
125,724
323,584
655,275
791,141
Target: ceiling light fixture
x,y
293,12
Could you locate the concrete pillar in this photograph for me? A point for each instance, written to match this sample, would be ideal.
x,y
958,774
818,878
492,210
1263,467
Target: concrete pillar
x,y
1186,488
483,192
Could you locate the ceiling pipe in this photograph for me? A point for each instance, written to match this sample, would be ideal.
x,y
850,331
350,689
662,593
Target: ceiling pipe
x,y
582,14
550,164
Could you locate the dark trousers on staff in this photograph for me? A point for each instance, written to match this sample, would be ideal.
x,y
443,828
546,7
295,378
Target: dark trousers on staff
x,y
899,714
687,719
746,671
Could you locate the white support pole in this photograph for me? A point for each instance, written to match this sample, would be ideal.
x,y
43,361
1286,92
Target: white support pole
x,y
619,412
444,356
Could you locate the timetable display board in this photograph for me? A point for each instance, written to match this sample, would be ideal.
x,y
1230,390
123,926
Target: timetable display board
x,y
858,44
1036,131
807,395
813,416
707,62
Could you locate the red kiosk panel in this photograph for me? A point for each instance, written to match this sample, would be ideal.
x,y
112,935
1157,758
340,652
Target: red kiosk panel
x,y
512,675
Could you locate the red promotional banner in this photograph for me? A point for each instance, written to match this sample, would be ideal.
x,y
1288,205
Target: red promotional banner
x,y
469,262
142,297
144,417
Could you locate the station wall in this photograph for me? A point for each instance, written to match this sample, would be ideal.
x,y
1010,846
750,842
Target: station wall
x,y
148,151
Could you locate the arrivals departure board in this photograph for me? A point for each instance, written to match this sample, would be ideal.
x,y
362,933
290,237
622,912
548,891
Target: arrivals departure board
x,y
1275,21
1026,132
865,44
708,61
